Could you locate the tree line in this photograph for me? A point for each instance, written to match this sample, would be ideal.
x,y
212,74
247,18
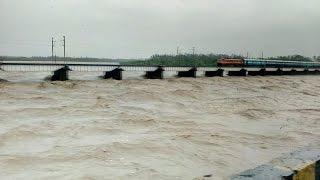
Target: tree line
x,y
201,60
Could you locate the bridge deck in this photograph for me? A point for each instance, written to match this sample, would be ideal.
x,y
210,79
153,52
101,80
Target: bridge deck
x,y
100,67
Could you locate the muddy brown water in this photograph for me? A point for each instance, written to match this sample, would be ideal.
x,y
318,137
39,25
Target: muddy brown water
x,y
152,129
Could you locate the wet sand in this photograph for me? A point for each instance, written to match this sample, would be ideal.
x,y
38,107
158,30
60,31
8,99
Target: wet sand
x,y
153,129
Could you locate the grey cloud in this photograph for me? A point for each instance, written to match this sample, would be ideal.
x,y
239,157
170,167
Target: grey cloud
x,y
140,28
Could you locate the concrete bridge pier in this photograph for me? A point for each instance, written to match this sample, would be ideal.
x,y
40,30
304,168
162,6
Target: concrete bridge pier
x,y
314,72
278,72
291,72
261,72
218,72
242,72
295,72
304,72
114,74
157,74
61,74
191,73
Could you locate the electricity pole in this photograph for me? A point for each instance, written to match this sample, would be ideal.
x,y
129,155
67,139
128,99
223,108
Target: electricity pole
x,y
64,47
193,55
262,55
178,59
52,45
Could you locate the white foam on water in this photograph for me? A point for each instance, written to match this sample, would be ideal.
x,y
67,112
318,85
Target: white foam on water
x,y
176,128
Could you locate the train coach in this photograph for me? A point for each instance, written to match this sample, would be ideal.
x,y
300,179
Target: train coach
x,y
259,63
230,63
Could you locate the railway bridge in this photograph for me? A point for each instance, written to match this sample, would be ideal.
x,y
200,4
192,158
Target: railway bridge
x,y
61,70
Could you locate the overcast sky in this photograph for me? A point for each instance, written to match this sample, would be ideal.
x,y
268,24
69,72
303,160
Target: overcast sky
x,y
140,28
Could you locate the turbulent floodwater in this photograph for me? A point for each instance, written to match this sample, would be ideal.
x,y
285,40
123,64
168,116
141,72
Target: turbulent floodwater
x,y
152,129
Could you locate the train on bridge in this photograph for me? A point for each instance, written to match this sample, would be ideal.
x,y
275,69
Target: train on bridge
x,y
260,63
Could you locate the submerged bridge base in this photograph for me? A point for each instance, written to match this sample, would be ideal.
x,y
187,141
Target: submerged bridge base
x,y
61,74
261,72
191,73
218,72
280,72
114,74
242,72
157,74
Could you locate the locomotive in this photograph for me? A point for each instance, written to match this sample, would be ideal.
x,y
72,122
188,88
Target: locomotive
x,y
260,63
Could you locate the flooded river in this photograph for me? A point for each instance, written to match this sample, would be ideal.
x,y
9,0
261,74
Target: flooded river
x,y
152,129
